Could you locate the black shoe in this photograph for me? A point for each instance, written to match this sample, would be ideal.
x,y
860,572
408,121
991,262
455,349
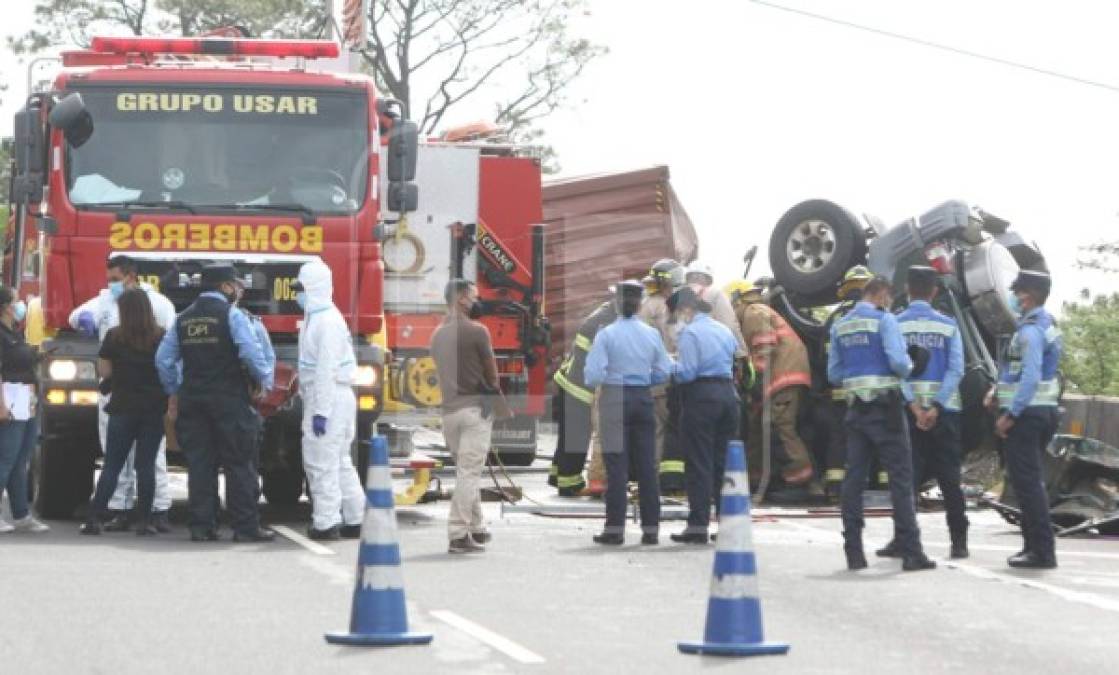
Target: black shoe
x,y
649,539
465,544
120,522
890,550
204,535
160,522
1031,560
259,537
958,551
714,537
576,491
689,538
609,539
551,480
483,537
916,563
91,526
856,559
329,534
146,530
350,531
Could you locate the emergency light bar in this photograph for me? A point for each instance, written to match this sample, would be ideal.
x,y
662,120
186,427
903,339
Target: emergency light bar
x,y
308,49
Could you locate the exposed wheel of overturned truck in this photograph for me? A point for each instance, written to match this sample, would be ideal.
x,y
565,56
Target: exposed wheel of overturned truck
x,y
812,246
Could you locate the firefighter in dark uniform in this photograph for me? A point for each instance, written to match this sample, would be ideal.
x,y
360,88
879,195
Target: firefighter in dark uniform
x,y
627,358
576,401
207,364
868,358
1026,398
934,414
709,419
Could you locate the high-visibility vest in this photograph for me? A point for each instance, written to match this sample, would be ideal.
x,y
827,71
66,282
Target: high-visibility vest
x,y
570,375
867,370
927,328
1048,390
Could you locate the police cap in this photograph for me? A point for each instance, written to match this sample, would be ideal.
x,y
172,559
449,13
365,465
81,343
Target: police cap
x,y
629,290
1028,280
216,274
921,274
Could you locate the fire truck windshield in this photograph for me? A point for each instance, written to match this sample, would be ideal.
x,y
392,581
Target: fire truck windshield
x,y
221,145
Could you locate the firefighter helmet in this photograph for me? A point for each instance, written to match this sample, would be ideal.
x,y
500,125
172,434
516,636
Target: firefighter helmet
x,y
853,281
665,274
740,288
699,269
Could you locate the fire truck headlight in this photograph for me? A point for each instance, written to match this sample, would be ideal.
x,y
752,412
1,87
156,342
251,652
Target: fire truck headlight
x,y
67,370
367,376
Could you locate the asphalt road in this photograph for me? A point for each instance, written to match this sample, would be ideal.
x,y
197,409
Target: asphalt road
x,y
544,599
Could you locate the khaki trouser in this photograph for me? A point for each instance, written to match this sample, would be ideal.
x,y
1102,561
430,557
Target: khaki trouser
x,y
597,470
786,403
468,438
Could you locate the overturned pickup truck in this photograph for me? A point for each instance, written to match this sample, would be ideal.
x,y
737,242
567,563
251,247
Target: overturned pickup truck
x,y
977,255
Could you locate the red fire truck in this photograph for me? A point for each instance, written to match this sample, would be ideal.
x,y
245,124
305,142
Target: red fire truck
x,y
185,151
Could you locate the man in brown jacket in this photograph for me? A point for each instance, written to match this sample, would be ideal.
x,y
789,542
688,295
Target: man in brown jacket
x,y
467,369
780,359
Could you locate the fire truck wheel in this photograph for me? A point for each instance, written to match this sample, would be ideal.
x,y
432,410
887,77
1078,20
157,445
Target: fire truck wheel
x,y
283,488
61,478
813,244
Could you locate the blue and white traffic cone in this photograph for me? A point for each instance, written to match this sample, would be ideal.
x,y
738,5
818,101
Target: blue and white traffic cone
x,y
378,615
734,611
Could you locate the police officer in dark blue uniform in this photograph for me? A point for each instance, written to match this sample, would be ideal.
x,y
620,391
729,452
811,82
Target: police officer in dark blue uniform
x,y
868,358
626,359
216,350
1026,398
934,413
709,418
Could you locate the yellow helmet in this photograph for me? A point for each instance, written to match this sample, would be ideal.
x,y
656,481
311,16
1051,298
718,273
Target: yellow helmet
x,y
740,288
853,281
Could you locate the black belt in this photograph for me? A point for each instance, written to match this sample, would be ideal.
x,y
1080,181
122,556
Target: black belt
x,y
720,380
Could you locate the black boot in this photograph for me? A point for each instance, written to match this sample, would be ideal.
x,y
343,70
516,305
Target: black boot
x,y
916,563
145,527
120,522
609,539
853,549
959,545
92,525
890,550
160,522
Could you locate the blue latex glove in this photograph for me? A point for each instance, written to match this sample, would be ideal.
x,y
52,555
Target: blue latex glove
x,y
318,425
86,325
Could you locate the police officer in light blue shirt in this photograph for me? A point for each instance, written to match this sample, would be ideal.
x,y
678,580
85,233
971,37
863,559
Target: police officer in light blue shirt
x,y
868,358
1027,402
934,410
709,415
626,359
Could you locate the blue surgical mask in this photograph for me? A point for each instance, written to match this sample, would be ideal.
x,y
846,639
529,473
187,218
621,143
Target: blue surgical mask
x,y
116,288
301,298
1015,306
20,310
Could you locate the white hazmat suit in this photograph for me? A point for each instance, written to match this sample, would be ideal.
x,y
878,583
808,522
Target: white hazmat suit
x,y
326,375
103,307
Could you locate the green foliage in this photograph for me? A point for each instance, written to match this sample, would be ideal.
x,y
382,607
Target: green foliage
x,y
5,177
1091,357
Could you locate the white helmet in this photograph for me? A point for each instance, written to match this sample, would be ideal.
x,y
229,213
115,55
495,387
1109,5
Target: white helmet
x,y
698,268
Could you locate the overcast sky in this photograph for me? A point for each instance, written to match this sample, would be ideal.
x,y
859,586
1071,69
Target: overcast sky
x,y
755,109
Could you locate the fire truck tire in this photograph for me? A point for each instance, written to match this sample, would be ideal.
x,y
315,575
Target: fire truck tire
x,y
283,488
812,246
61,478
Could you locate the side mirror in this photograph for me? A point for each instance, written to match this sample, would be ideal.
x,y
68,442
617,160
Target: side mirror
x,y
404,138
30,153
71,115
403,197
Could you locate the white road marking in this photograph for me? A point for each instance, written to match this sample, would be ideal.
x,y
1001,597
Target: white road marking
x,y
1082,597
498,642
290,534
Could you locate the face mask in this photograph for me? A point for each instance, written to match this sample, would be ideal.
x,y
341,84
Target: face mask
x,y
116,288
1014,304
301,299
19,308
475,311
